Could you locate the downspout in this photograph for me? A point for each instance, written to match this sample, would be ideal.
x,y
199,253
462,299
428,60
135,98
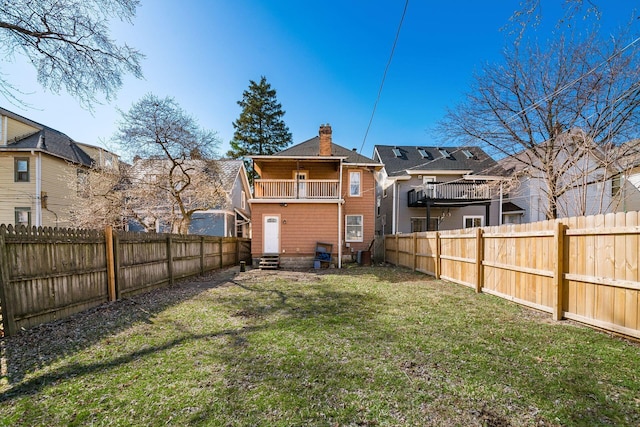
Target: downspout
x,y
39,190
393,211
340,218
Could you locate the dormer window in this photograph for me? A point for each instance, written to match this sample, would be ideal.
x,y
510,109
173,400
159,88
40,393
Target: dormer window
x,y
468,154
396,152
423,153
445,153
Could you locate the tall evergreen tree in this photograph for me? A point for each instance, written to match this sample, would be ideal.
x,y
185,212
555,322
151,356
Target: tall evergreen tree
x,y
260,129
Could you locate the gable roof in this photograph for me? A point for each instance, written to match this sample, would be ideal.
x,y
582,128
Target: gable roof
x,y
47,140
229,170
399,159
225,172
311,148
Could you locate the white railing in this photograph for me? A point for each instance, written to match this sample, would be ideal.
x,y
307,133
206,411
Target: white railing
x,y
292,189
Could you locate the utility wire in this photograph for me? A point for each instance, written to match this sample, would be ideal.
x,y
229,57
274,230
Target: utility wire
x,y
384,76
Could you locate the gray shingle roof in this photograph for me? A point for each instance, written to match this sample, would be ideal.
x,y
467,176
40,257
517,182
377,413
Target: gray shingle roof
x,y
48,140
229,170
54,142
410,157
311,147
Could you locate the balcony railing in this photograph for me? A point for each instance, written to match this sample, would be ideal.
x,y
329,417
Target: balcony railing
x,y
449,191
292,189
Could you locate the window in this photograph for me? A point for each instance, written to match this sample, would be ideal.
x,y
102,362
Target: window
x,y
354,183
378,202
470,221
419,225
616,184
353,229
384,192
396,152
243,201
23,216
429,186
82,183
21,169
423,153
445,153
468,154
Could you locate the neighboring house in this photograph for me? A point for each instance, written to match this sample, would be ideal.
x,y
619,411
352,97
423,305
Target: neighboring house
x,y
40,172
588,177
435,188
231,217
625,186
313,192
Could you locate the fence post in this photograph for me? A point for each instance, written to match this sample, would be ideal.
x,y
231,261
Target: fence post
x,y
202,255
558,271
437,258
397,250
237,252
221,246
479,258
415,251
170,258
111,273
116,263
6,306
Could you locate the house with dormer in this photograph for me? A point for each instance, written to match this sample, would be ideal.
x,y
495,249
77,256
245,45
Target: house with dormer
x,y
41,171
313,203
424,188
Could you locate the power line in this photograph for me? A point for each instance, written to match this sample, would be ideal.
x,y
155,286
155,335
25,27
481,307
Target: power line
x,y
384,75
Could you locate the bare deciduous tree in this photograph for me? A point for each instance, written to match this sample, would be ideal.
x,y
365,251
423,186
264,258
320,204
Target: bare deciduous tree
x,y
556,110
68,43
174,173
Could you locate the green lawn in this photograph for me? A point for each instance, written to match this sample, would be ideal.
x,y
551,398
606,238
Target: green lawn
x,y
360,346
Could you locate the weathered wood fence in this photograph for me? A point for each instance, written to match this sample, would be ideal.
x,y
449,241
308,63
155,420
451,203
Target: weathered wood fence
x,y
583,268
48,274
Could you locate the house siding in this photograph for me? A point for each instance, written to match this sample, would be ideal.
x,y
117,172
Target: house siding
x,y
59,181
302,225
16,129
285,169
16,194
364,205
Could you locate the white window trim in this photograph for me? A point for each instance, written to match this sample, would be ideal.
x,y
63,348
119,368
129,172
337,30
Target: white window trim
x,y
346,235
359,172
243,200
465,217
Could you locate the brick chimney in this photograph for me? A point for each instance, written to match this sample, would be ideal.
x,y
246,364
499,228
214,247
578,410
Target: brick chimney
x,y
325,140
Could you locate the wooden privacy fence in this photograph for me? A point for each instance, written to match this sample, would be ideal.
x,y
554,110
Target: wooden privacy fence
x,y
48,274
583,268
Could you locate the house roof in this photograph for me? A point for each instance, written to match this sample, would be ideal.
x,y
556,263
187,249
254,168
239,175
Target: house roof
x,y
400,159
226,170
53,142
311,148
229,170
511,207
47,140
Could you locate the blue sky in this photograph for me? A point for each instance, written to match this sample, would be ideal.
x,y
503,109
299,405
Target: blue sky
x,y
324,58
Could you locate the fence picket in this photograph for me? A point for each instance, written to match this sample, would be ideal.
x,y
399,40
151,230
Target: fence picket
x,y
588,272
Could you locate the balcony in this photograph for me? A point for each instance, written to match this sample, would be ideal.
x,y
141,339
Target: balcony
x,y
301,189
443,193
